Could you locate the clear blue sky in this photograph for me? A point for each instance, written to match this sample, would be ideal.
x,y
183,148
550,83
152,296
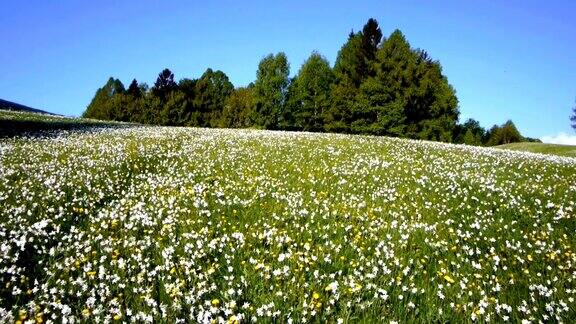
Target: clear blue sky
x,y
506,59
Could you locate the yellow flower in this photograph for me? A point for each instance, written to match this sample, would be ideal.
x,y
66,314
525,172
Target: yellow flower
x,y
117,317
215,302
529,257
315,295
85,312
449,279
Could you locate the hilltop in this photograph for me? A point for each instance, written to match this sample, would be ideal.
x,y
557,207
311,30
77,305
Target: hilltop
x,y
544,148
27,123
8,105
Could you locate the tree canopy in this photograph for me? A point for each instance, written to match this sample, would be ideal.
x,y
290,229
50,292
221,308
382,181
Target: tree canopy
x,y
377,86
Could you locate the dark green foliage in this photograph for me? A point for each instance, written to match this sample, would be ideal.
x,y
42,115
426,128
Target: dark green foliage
x,y
408,96
238,109
378,111
309,94
211,92
371,37
164,84
350,62
378,86
270,91
532,140
349,72
101,106
134,89
470,133
505,134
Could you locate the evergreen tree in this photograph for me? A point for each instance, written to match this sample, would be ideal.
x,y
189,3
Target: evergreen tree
x,y
408,96
164,84
493,136
381,100
371,37
509,133
470,139
174,110
101,105
505,134
380,87
350,63
470,132
348,70
134,89
212,89
270,90
190,114
310,93
238,109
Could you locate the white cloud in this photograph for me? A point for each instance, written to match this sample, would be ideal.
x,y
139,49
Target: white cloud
x,y
560,138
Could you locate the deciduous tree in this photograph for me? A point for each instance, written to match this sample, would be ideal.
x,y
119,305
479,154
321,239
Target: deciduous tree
x,y
270,90
310,93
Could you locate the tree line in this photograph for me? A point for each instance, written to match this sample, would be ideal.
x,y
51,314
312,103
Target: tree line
x,y
377,86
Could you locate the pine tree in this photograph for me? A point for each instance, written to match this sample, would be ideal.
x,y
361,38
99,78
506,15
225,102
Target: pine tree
x,y
509,133
134,89
164,84
237,109
101,105
408,96
212,89
350,62
371,37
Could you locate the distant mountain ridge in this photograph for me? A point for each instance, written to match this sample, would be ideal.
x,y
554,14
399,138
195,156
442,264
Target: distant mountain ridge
x,y
8,105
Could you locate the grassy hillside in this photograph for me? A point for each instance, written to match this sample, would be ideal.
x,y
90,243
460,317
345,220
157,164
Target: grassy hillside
x,y
26,123
562,150
186,224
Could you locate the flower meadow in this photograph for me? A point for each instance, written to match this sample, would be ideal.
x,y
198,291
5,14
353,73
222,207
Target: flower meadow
x,y
160,224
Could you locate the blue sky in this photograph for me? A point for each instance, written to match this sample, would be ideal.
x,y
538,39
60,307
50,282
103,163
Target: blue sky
x,y
506,59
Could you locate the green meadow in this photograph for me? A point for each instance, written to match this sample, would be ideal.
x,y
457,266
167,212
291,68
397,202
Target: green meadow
x,y
166,224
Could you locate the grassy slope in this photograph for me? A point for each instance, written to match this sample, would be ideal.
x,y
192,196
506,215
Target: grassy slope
x,y
18,123
320,226
544,148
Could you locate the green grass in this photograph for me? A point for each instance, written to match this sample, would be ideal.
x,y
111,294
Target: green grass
x,y
19,123
186,224
543,148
